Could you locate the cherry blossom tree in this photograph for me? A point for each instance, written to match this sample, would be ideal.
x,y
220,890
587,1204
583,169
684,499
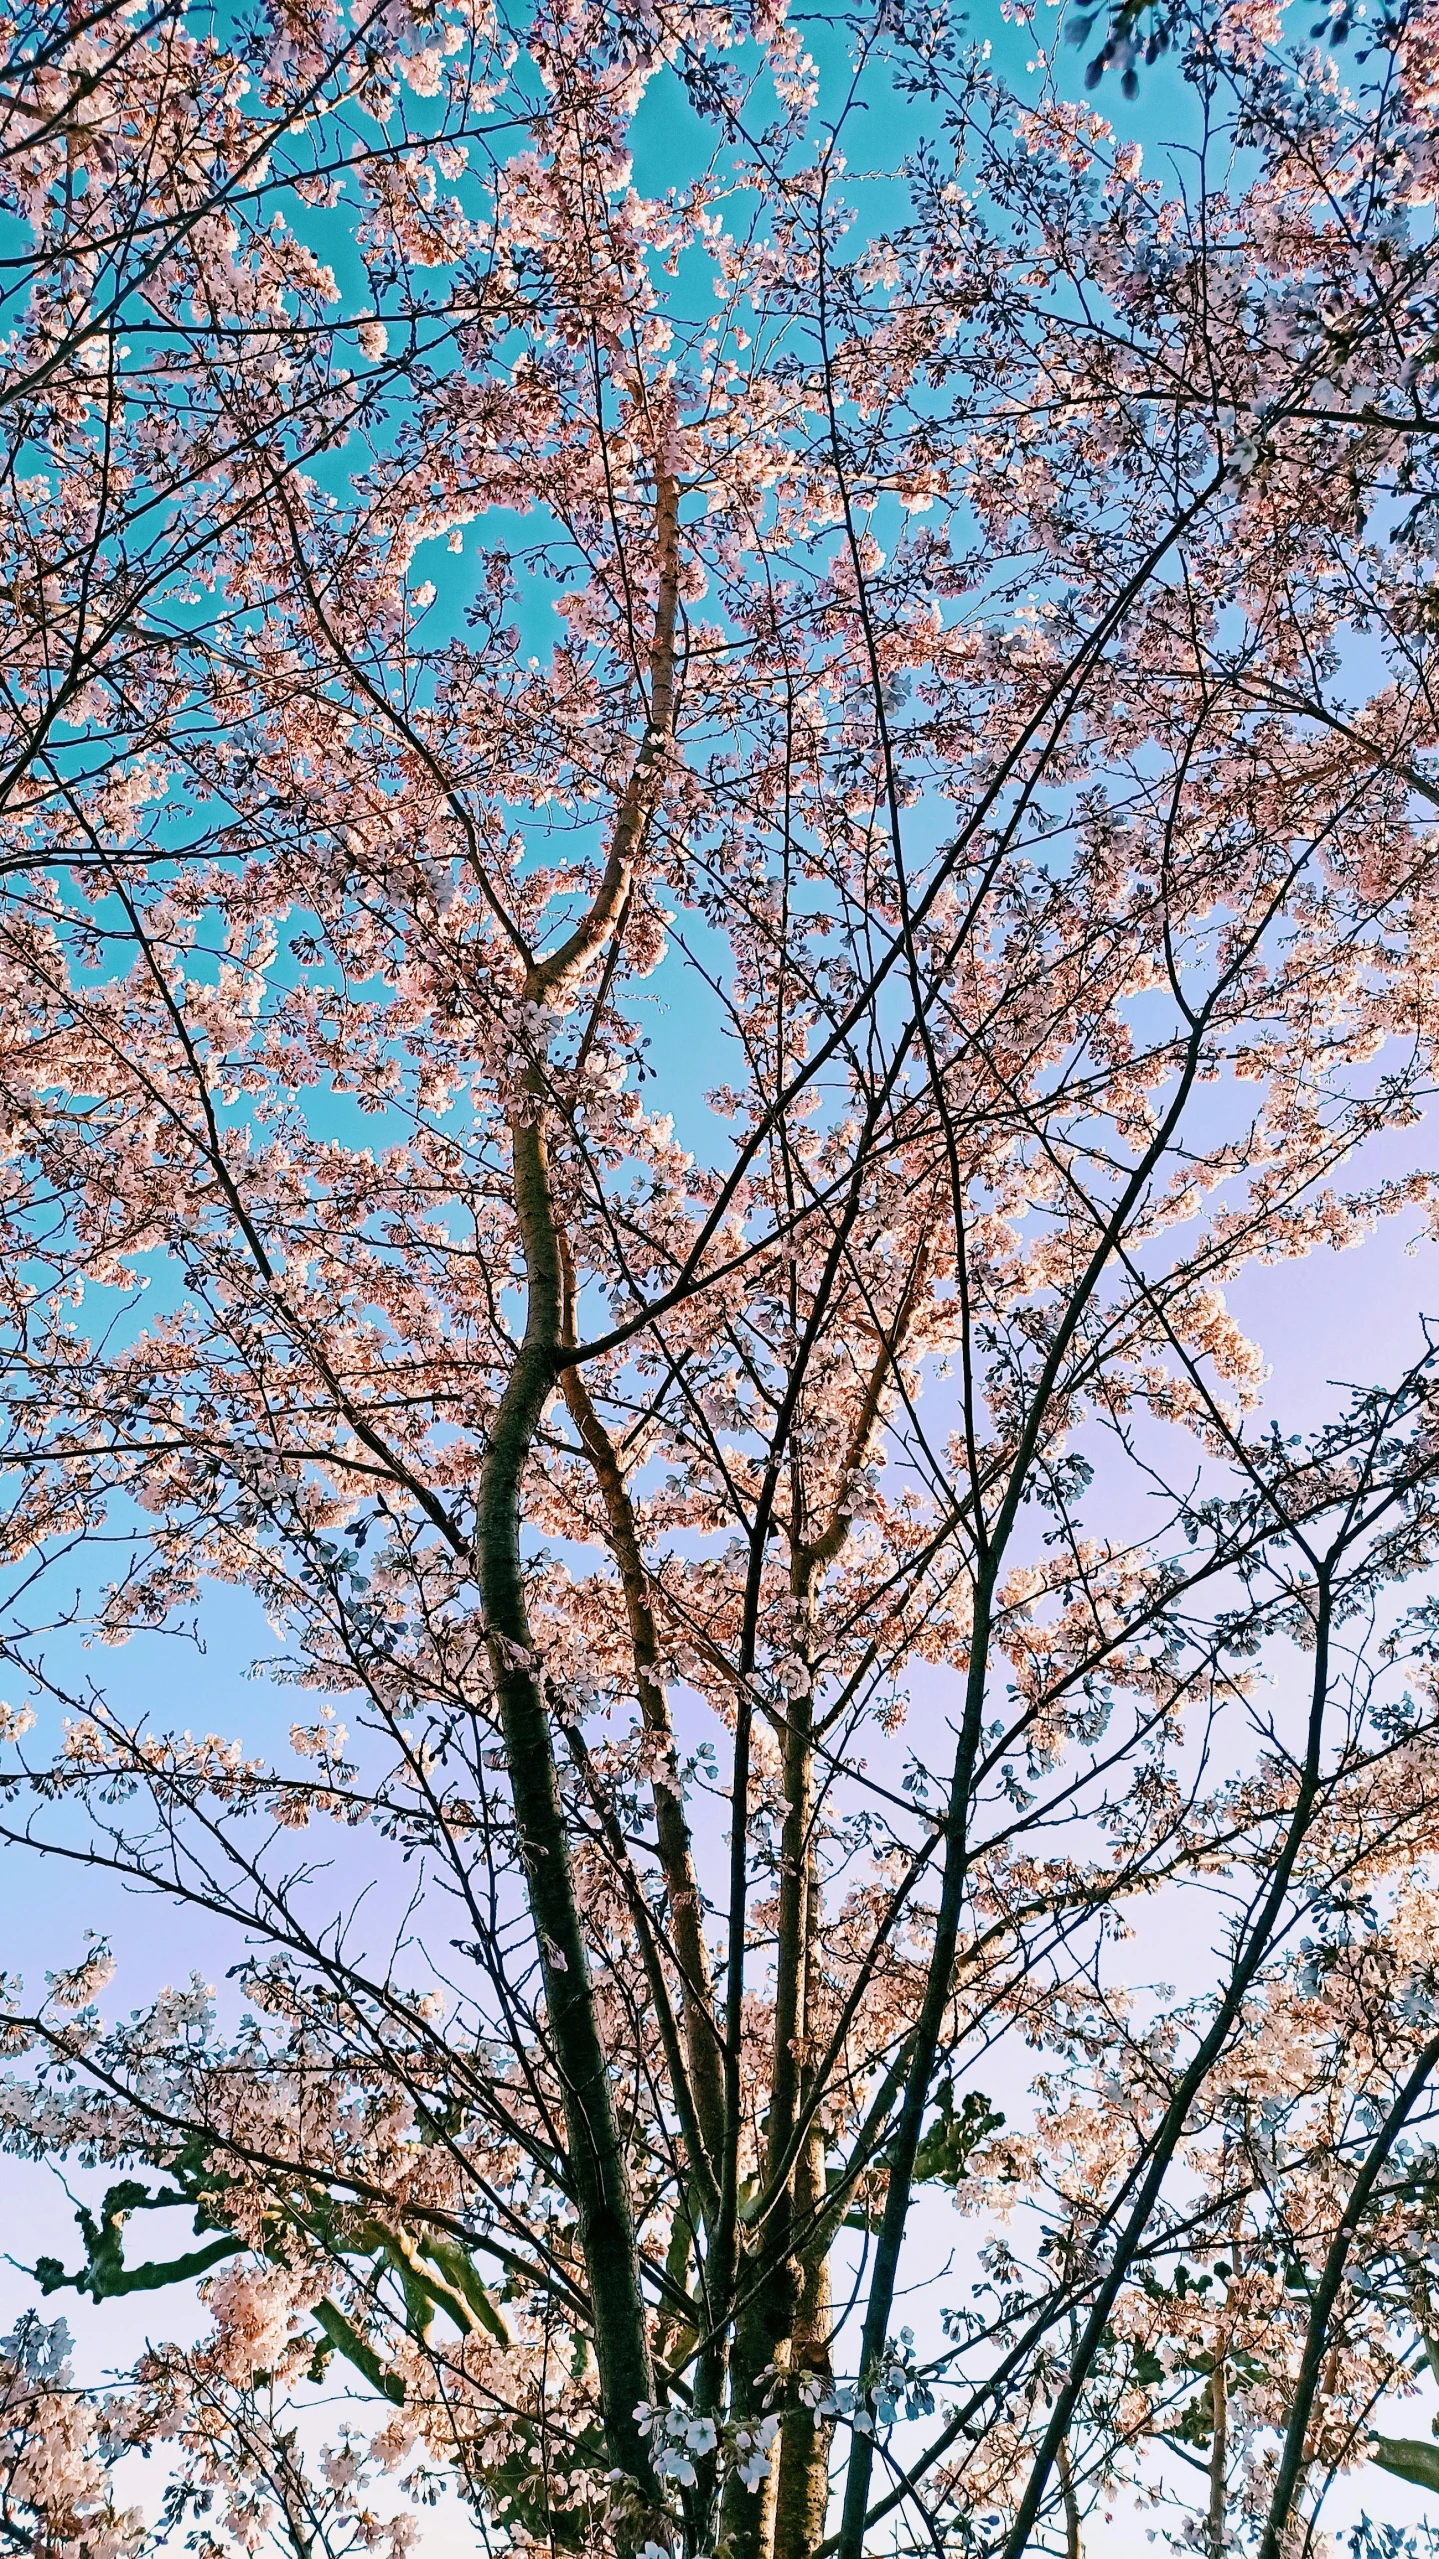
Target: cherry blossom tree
x,y
781,1587
55,2459
172,346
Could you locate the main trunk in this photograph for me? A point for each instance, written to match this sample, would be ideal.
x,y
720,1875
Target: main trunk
x,y
596,2164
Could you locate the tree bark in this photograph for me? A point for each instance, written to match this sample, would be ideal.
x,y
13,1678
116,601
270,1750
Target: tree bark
x,y
702,2039
596,2164
1218,2454
802,2493
1073,2544
789,2325
597,2169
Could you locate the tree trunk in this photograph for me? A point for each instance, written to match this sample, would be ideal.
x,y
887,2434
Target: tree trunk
x,y
1218,2454
597,2170
802,2496
702,2039
596,2164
